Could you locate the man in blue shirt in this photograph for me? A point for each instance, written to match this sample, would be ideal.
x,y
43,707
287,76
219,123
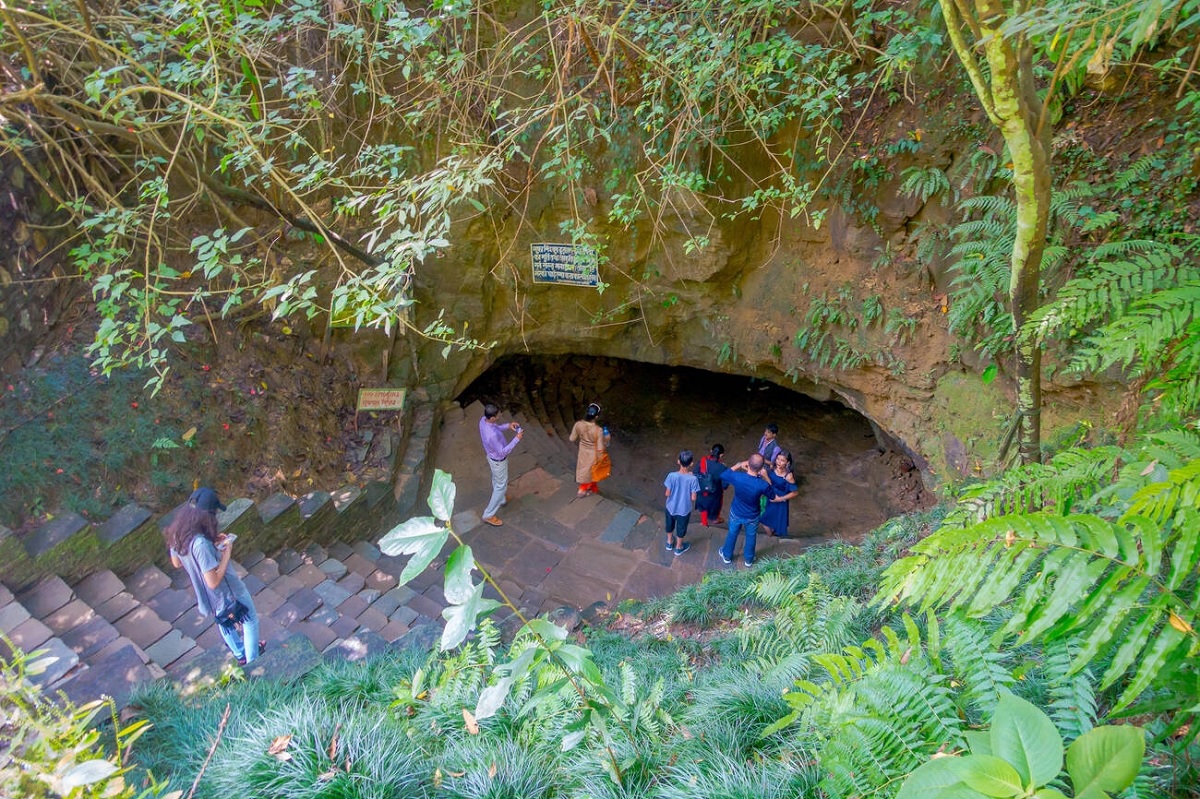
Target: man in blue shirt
x,y
750,484
491,433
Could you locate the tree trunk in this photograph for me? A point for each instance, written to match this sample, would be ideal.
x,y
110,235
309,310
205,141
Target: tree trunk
x,y
1009,96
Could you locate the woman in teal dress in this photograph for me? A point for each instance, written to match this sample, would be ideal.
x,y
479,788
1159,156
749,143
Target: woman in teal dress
x,y
775,515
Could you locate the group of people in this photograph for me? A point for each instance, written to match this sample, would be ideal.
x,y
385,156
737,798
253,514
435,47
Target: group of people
x,y
763,484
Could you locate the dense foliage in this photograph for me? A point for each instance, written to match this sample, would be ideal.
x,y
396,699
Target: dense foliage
x,y
52,749
370,127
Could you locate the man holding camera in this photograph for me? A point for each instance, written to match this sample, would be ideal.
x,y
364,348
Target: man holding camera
x,y
497,447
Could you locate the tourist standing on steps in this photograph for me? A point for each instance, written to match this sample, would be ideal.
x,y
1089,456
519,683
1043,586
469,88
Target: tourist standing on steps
x,y
491,433
681,488
199,549
750,484
775,516
593,439
712,493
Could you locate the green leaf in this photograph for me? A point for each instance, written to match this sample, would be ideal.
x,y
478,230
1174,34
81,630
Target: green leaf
x,y
420,537
979,741
1105,759
1183,554
931,778
989,374
991,776
88,773
1049,793
460,619
546,630
491,699
1153,662
1136,636
441,495
458,587
1026,737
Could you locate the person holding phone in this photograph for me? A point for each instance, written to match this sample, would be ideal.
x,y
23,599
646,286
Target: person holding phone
x,y
497,449
197,547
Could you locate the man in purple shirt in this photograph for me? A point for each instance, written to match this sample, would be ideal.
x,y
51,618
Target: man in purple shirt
x,y
491,433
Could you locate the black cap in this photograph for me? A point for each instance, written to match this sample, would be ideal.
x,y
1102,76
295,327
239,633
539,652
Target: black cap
x,y
206,499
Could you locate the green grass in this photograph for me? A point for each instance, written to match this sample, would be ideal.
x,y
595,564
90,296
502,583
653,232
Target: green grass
x,y
682,716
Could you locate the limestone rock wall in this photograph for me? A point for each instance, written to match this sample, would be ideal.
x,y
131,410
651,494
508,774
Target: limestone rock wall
x,y
734,307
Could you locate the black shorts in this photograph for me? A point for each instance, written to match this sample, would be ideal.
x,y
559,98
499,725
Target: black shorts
x,y
677,524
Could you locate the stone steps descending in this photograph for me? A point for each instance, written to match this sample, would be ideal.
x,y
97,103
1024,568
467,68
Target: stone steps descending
x,y
552,453
109,633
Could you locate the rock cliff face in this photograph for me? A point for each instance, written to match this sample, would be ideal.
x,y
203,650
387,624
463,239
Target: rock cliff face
x,y
736,306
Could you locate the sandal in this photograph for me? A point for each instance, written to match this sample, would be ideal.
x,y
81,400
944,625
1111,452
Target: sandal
x,y
262,647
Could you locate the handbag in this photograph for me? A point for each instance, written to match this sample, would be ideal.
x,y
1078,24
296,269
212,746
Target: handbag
x,y
602,466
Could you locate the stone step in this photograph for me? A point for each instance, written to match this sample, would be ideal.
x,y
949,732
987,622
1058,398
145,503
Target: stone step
x,y
110,633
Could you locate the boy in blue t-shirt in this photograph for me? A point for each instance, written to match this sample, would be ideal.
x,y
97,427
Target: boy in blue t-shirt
x,y
682,487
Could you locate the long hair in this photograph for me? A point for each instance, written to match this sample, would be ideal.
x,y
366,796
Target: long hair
x,y
187,524
785,454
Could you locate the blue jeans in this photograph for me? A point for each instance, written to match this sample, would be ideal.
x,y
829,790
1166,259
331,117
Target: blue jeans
x,y
736,525
246,644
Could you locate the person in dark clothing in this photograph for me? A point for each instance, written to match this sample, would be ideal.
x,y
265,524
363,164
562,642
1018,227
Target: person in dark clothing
x,y
750,484
775,515
712,493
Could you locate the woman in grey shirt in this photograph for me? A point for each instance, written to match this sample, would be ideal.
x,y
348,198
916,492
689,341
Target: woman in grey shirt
x,y
204,553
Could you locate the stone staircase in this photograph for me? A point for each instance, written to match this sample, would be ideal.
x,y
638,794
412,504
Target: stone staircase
x,y
108,634
552,406
103,600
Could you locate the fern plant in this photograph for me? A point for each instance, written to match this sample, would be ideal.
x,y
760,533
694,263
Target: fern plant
x,y
925,183
1119,583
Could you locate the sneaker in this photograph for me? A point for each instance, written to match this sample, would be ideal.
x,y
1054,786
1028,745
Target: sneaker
x,y
684,547
747,564
670,546
725,558
493,521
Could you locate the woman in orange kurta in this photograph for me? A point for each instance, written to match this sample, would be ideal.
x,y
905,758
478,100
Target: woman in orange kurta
x,y
592,438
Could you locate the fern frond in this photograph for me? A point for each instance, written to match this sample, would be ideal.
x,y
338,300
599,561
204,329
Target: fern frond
x,y
982,670
1150,328
1115,587
1108,289
1071,696
989,204
1068,479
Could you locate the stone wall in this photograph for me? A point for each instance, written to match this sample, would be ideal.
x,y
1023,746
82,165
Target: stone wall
x,y
735,307
72,547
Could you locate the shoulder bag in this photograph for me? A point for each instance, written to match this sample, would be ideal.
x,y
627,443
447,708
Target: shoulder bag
x,y
602,466
228,611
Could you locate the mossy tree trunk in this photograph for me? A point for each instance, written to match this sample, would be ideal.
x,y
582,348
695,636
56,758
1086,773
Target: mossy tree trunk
x,y
1007,92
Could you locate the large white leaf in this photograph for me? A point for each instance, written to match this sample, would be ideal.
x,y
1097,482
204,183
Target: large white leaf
x,y
441,495
87,773
458,576
421,537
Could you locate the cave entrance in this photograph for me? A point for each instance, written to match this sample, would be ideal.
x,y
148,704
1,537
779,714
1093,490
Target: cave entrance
x,y
849,482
